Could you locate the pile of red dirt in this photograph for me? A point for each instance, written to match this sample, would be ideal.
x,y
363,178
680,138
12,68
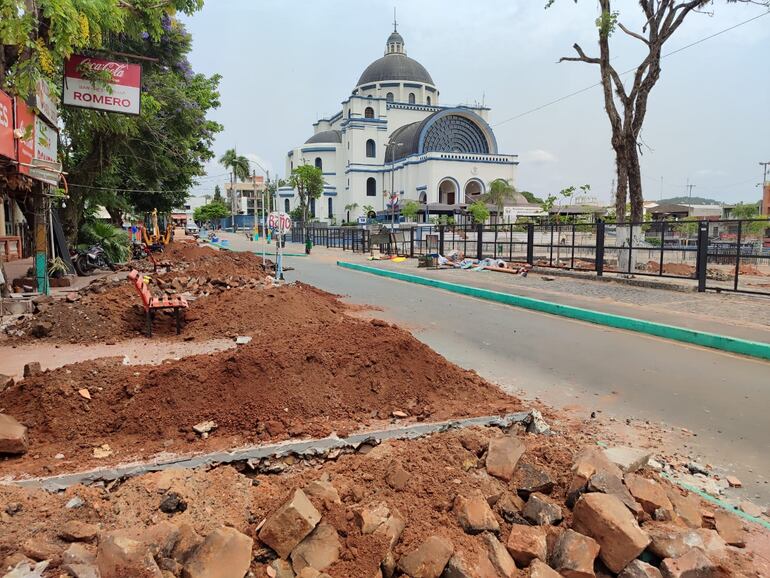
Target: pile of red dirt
x,y
297,377
677,269
198,260
748,269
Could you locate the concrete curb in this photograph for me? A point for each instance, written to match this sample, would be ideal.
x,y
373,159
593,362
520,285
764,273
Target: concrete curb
x,y
704,339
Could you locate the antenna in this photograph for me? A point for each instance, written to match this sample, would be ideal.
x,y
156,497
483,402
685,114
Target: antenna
x,y
395,22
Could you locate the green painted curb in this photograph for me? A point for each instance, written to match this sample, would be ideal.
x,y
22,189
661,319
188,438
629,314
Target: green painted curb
x,y
717,502
693,336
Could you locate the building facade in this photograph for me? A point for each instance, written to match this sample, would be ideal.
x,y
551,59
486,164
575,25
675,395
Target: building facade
x,y
393,141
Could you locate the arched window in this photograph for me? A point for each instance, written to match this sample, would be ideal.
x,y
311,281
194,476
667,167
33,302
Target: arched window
x,y
371,149
371,187
427,99
292,165
312,208
330,208
349,111
411,98
319,164
389,97
286,206
369,112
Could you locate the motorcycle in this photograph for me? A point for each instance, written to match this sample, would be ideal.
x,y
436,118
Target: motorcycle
x,y
89,260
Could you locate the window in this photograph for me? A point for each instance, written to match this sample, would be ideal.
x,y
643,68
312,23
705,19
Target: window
x,y
369,112
371,187
389,97
427,99
411,98
349,111
330,213
312,208
371,149
292,165
319,164
286,206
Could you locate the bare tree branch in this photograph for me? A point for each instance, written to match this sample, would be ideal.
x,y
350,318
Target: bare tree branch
x,y
580,58
633,34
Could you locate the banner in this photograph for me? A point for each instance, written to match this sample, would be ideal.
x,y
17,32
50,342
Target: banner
x,y
6,127
122,93
46,141
45,103
25,123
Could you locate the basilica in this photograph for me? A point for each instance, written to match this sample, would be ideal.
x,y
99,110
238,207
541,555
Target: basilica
x,y
393,141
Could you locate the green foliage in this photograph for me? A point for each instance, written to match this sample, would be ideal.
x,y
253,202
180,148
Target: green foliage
x,y
217,194
296,213
57,267
367,209
40,35
499,192
309,184
607,22
213,211
479,211
745,211
113,240
153,158
238,165
531,198
410,210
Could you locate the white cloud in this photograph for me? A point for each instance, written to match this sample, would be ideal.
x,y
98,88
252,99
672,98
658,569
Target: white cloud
x,y
538,157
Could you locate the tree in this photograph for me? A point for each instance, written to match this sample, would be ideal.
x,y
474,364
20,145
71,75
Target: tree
x,y
239,168
626,107
410,210
148,161
210,212
309,184
350,207
479,211
217,194
500,191
745,211
531,198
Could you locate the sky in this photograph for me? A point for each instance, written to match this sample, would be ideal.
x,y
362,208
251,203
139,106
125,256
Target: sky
x,y
286,64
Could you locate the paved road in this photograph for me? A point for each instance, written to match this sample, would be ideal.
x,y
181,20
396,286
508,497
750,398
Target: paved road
x,y
724,398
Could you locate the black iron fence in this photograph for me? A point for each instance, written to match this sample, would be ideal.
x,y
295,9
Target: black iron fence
x,y
721,255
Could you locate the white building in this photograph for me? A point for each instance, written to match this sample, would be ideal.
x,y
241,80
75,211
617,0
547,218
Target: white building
x,y
392,134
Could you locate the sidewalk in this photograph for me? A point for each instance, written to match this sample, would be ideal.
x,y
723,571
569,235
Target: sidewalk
x,y
740,316
733,315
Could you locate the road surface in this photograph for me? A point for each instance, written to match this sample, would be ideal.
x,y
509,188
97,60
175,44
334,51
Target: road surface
x,y
723,398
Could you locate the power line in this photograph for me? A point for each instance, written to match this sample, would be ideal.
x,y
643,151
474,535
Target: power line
x,y
587,88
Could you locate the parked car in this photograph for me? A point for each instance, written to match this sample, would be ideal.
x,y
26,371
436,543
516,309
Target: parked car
x,y
191,229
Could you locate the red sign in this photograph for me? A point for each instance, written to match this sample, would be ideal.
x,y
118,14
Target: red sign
x,y
280,222
25,122
6,126
121,93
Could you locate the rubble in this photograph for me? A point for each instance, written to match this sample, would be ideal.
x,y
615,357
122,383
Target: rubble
x,y
604,518
428,560
290,524
574,555
13,436
475,515
627,459
225,553
730,528
525,543
542,510
503,453
692,564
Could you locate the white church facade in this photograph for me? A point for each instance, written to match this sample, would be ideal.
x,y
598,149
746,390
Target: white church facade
x,y
394,140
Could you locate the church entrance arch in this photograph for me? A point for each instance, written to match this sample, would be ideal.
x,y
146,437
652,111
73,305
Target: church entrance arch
x,y
447,191
473,190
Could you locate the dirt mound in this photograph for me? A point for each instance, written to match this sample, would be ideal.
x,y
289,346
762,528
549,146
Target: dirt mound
x,y
677,269
328,373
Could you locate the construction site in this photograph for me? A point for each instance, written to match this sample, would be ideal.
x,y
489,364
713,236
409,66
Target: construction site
x,y
284,432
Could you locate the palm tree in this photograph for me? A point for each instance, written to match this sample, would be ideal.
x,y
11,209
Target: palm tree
x,y
350,207
499,192
238,165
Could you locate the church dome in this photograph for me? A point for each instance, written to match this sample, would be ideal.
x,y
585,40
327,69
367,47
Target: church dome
x,y
395,65
325,136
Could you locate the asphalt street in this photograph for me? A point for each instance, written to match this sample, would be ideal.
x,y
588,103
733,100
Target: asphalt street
x,y
723,398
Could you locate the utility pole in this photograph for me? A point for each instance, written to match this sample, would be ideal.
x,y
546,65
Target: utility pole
x,y
689,191
764,176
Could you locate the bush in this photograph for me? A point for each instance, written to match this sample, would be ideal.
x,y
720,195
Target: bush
x,y
114,241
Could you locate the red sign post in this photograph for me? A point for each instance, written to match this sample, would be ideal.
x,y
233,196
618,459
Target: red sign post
x,y
121,93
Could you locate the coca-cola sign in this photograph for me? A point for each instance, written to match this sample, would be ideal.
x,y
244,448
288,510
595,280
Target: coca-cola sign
x,y
86,85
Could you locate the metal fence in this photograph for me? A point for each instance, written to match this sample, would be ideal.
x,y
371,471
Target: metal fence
x,y
718,255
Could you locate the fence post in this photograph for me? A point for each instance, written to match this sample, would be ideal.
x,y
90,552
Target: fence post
x,y
411,242
702,255
441,239
479,241
599,248
530,243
